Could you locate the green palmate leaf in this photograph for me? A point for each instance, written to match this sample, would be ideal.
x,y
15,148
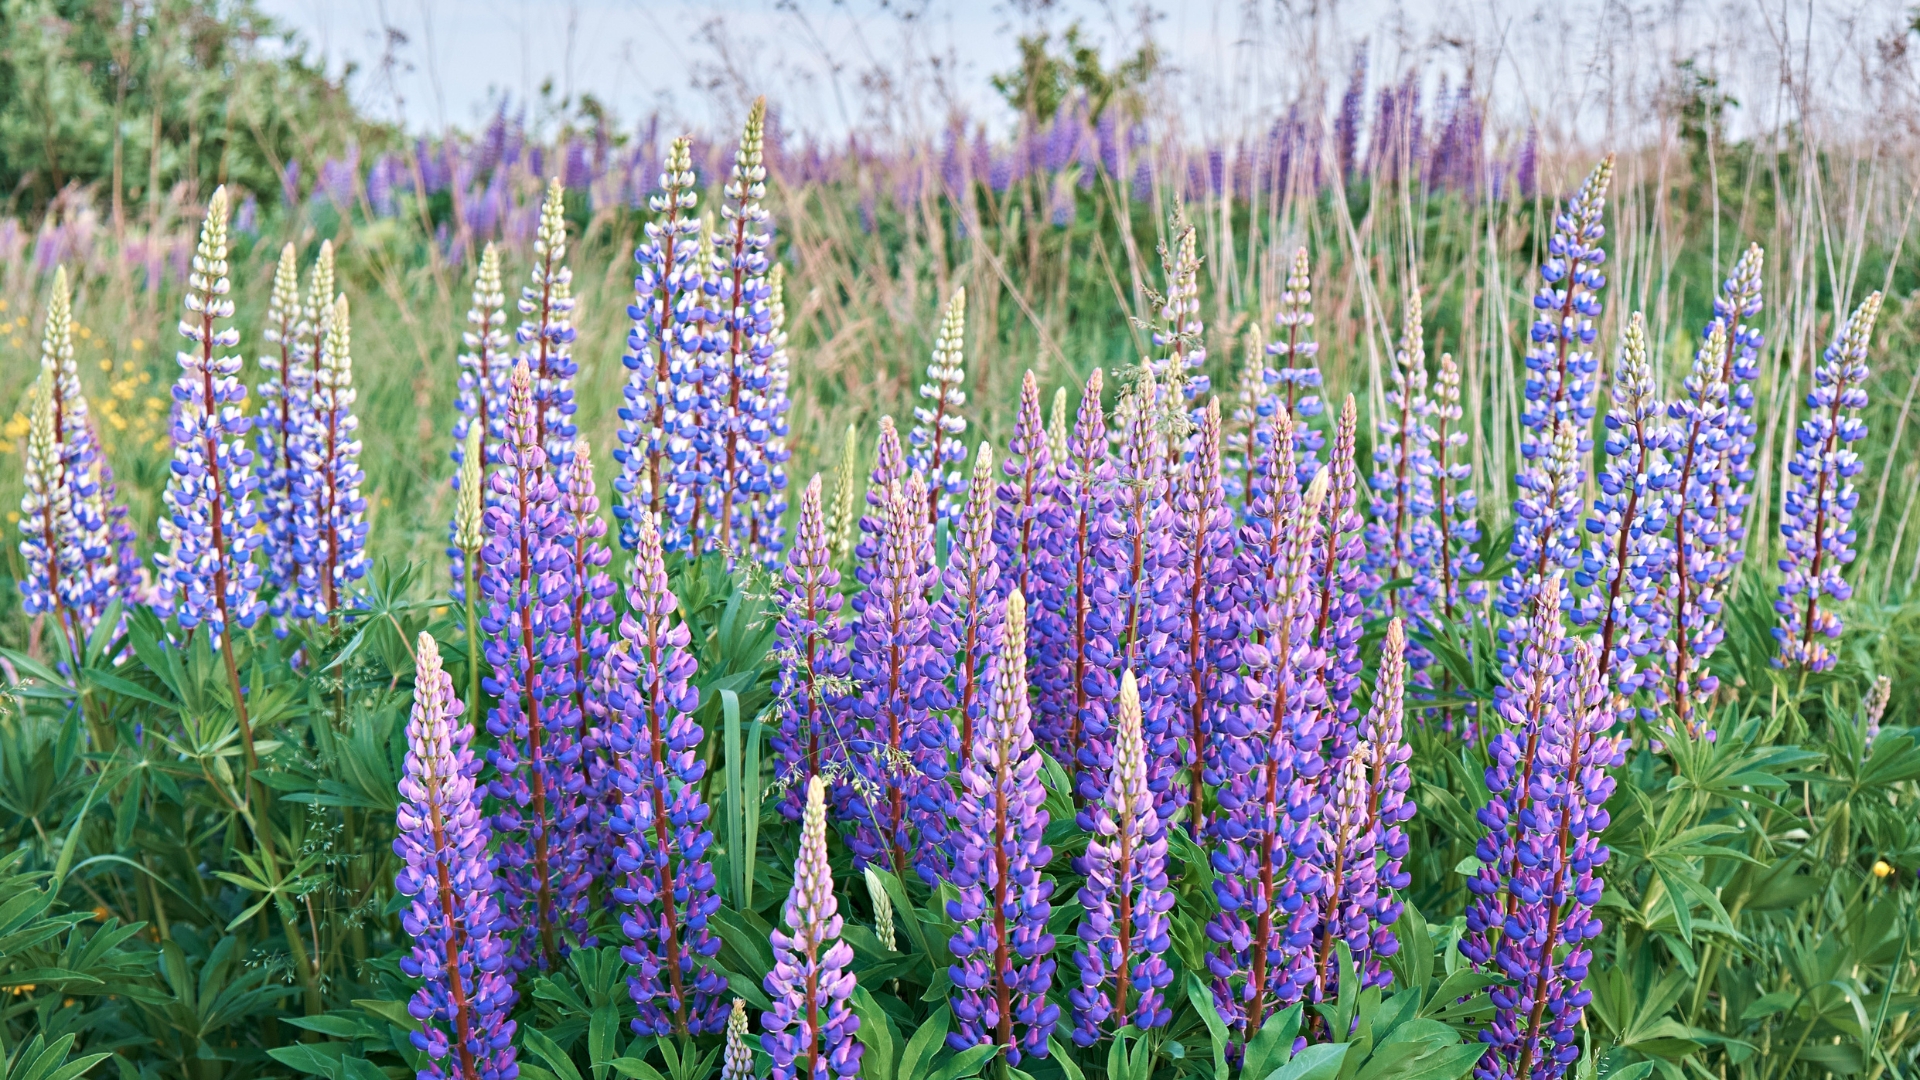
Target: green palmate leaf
x,y
963,1064
1272,1045
927,1041
319,1059
1321,1061
549,1052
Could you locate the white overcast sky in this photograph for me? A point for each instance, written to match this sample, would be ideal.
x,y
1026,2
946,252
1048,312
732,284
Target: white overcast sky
x,y
833,66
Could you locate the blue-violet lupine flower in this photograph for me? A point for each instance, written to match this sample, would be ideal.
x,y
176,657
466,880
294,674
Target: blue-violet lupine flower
x,y
730,443
583,534
539,780
1734,309
1299,370
1398,544
667,893
1816,516
1362,841
482,400
899,669
1254,404
1126,930
53,562
771,404
1027,538
1554,888
545,335
208,576
1697,546
1003,954
971,605
1180,332
1340,581
1065,665
809,1032
662,358
1562,372
1264,844
810,643
1626,565
453,918
1454,502
331,513
934,446
284,393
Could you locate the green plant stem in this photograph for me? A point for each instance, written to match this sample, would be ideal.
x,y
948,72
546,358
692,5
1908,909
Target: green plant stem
x,y
473,646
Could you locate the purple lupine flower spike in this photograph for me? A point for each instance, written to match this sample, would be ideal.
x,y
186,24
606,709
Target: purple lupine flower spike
x,y
971,605
731,442
1193,644
663,355
1254,404
811,645
1734,309
331,516
53,564
900,673
1271,766
539,780
1362,839
1066,667
95,582
1002,952
1562,373
1299,369
1132,546
583,535
809,1032
1697,545
1554,888
546,334
1181,332
1028,538
668,892
1535,693
935,449
1454,502
484,370
1339,576
1626,565
209,576
769,489
889,469
1816,516
1126,929
1402,508
283,408
454,920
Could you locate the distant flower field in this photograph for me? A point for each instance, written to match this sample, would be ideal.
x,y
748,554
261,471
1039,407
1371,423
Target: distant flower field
x,y
1375,601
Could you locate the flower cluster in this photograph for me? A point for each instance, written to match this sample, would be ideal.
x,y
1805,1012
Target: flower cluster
x,y
285,386
1296,352
934,446
810,642
972,607
810,1029
454,919
482,390
545,335
1816,520
1401,538
330,535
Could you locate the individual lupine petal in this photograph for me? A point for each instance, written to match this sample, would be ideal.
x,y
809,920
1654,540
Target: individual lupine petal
x,y
667,891
737,1062
1554,888
1126,610
810,643
282,422
1398,542
1299,369
464,1004
1816,520
546,334
208,577
934,446
846,480
1272,768
330,516
1003,964
899,669
1361,839
1065,666
1125,931
1192,646
809,1032
482,398
1535,695
1561,375
664,345
539,780
971,604
1626,565
730,442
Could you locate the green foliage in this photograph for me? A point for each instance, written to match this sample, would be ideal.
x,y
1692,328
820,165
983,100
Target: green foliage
x,y
1044,80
